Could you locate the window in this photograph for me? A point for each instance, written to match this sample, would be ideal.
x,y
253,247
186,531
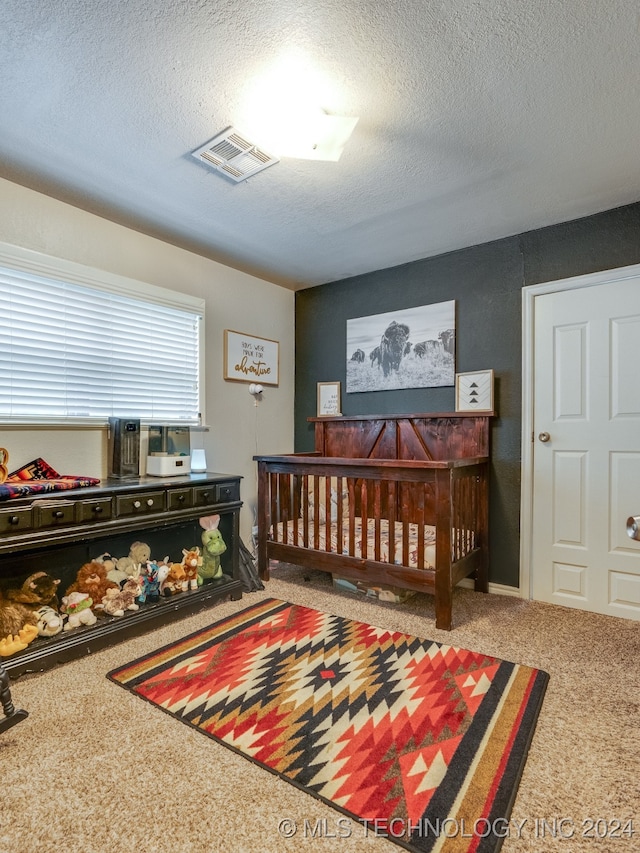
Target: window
x,y
79,345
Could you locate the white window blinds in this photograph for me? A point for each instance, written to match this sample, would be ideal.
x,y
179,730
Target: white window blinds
x,y
73,352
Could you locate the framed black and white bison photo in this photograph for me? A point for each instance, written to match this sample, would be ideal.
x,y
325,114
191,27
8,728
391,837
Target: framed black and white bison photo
x,y
411,348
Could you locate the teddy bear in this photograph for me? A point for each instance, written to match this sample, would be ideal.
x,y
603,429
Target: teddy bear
x,y
77,606
139,554
115,602
92,580
213,545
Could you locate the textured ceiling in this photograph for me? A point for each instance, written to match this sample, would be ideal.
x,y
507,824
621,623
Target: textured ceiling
x,y
478,119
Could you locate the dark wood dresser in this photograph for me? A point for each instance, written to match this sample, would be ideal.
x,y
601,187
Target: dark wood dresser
x,y
59,532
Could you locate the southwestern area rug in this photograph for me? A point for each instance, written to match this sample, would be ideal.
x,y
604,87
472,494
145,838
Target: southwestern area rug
x,y
420,742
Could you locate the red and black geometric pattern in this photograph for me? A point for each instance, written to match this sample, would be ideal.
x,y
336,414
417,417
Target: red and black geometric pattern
x,y
38,477
380,724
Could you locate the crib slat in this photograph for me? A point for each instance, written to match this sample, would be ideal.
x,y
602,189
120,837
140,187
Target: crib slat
x,y
295,498
462,521
392,520
304,498
475,520
420,489
327,514
316,514
282,506
456,518
340,487
284,502
467,519
404,520
273,495
377,514
364,518
351,544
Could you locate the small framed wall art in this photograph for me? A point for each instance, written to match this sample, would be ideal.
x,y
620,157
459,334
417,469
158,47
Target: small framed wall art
x,y
250,359
328,399
474,391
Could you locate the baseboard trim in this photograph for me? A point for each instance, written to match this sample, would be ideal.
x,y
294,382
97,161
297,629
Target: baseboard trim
x,y
497,588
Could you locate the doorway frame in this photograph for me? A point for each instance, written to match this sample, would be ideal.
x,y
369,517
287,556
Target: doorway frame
x,y
529,295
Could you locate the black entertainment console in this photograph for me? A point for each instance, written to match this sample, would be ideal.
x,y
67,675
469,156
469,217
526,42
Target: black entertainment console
x,y
58,532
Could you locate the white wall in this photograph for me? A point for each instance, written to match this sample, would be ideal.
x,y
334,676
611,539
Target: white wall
x,y
234,300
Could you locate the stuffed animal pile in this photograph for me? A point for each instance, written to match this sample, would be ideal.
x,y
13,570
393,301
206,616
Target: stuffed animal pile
x,y
106,586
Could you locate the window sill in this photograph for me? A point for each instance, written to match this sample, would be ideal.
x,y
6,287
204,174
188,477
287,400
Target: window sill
x,y
78,425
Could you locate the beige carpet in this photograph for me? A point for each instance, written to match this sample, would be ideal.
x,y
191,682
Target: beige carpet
x,y
95,769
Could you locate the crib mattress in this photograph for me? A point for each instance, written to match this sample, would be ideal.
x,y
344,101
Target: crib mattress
x,y
285,535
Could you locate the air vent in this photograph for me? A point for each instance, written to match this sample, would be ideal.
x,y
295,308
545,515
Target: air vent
x,y
232,155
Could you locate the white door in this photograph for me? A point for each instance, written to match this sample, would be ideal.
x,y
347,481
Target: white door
x,y
586,445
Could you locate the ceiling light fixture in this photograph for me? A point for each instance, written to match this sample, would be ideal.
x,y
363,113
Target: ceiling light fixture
x,y
312,136
284,109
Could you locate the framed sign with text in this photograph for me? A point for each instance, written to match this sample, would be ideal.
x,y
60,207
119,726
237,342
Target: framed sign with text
x,y
328,399
250,359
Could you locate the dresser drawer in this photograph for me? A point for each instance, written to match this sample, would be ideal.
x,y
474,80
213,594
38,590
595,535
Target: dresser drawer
x,y
204,495
54,513
141,504
180,498
99,509
227,492
15,520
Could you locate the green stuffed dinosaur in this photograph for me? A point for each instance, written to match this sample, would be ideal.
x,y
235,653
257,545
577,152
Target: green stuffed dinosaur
x,y
213,546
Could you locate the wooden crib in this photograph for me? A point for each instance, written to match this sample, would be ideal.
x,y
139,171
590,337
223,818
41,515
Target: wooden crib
x,y
391,500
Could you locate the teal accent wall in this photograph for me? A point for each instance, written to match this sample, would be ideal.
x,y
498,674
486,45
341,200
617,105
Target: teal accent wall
x,y
486,281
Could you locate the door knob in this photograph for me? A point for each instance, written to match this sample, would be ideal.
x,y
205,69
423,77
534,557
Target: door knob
x,y
633,527
544,436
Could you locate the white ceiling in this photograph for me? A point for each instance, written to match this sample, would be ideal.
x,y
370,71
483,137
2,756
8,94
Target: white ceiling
x,y
478,119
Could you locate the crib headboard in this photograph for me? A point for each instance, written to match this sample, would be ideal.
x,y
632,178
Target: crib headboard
x,y
425,437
